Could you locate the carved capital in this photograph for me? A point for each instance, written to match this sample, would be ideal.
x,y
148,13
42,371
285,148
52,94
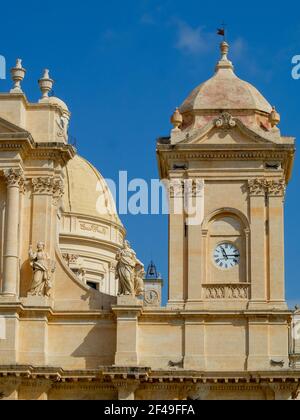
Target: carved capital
x,y
276,188
71,258
257,186
43,185
225,121
176,188
58,190
194,187
14,177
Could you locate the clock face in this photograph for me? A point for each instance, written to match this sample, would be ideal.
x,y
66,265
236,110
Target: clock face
x,y
226,256
151,297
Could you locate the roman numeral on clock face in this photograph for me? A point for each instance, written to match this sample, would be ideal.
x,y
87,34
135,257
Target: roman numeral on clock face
x,y
226,256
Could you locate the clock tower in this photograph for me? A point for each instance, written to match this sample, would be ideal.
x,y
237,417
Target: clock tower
x,y
228,167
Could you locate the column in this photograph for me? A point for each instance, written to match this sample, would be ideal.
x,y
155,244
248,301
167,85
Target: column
x,y
177,245
257,197
14,180
276,192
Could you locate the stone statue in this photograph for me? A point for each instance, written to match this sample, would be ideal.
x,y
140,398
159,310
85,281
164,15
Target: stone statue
x,y
139,278
43,269
130,272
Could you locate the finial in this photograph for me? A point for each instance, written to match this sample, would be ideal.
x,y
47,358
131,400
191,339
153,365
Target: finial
x,y
177,120
224,63
274,117
46,84
17,75
224,47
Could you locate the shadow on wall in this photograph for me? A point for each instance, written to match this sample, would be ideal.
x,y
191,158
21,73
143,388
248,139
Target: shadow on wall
x,y
25,278
99,345
97,300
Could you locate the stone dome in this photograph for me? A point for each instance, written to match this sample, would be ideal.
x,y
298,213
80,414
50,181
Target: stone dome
x,y
225,91
56,101
87,193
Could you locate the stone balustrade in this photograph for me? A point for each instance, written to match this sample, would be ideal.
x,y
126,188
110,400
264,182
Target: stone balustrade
x,y
239,291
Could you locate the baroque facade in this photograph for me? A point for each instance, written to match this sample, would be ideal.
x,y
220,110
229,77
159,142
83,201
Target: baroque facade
x,y
77,321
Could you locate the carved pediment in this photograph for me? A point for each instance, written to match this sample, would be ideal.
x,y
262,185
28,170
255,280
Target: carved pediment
x,y
226,129
7,127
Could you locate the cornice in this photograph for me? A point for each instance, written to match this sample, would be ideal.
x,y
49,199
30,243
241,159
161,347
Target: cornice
x,y
28,149
200,152
145,377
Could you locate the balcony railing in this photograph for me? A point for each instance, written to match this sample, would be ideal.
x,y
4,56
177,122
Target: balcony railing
x,y
237,291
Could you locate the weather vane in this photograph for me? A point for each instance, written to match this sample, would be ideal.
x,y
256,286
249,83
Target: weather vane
x,y
222,31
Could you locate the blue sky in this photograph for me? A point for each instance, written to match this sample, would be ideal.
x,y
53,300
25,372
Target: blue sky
x,y
123,67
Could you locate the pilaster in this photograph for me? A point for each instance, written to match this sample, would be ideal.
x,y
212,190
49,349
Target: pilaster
x,y
177,244
257,199
276,193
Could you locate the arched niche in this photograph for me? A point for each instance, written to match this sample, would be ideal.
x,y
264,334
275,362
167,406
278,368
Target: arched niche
x,y
226,226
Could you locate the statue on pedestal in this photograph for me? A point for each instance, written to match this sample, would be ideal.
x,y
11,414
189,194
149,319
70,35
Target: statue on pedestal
x,y
130,272
43,269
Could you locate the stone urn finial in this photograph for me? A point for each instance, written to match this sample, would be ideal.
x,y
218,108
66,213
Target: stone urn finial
x,y
274,117
177,120
17,75
224,62
224,51
46,84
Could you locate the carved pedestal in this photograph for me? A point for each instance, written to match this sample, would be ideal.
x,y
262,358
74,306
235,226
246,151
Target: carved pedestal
x,y
127,311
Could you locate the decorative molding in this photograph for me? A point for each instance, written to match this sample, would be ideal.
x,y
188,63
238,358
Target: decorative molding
x,y
90,227
225,121
227,154
14,177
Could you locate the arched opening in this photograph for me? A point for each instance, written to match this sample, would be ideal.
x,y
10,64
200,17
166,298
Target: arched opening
x,y
226,256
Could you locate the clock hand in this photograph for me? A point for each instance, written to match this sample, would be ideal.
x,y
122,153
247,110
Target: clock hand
x,y
224,253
